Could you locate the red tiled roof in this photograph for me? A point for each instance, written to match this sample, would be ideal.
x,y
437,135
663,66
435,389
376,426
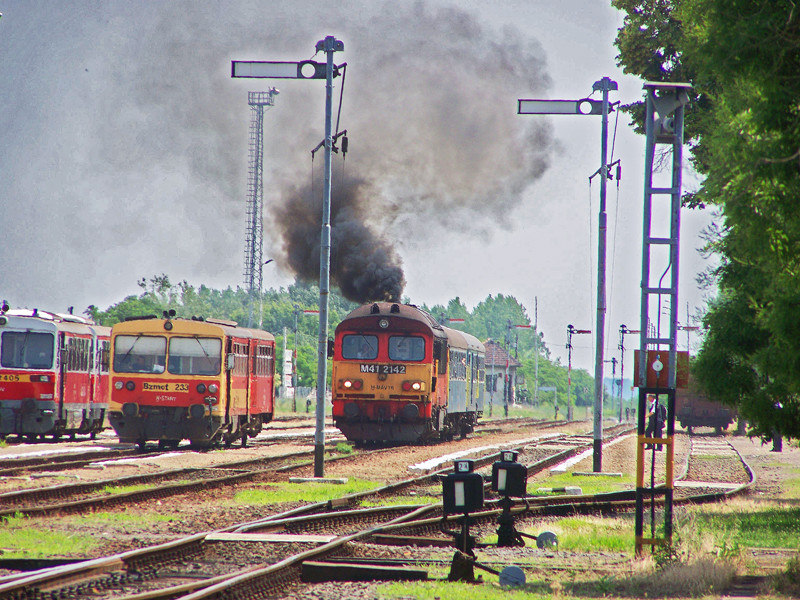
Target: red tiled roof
x,y
497,356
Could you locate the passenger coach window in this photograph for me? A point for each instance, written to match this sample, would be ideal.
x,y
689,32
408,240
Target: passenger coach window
x,y
363,347
406,348
195,356
26,350
140,353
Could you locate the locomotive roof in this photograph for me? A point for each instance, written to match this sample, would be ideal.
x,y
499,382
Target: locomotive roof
x,y
190,327
459,339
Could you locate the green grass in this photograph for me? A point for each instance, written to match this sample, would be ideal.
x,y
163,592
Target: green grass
x,y
791,485
125,489
277,493
401,501
344,448
749,525
430,590
21,538
591,534
125,518
589,484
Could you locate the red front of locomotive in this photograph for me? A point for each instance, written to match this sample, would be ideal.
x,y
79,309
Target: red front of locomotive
x,y
384,374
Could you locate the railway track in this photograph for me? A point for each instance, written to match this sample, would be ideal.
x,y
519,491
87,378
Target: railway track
x,y
261,558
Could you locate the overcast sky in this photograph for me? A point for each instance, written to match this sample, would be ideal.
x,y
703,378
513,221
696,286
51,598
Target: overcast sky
x,y
124,151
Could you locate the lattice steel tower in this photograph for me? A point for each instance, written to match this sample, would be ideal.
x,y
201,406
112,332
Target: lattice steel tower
x,y
254,238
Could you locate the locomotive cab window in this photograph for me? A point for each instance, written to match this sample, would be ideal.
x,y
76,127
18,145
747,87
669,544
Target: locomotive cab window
x,y
140,353
26,350
364,347
406,348
195,356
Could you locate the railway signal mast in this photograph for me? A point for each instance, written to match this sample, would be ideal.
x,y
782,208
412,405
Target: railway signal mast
x,y
309,69
663,125
587,106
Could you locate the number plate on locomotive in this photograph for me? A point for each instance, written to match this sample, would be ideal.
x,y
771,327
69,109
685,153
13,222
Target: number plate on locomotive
x,y
383,369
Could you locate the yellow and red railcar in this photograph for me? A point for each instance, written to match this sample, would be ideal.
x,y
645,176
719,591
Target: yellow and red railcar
x,y
400,376
53,374
207,381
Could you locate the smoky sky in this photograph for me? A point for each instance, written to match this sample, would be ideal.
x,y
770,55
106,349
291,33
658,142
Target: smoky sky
x,y
125,141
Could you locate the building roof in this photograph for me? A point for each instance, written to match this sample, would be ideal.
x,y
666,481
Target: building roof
x,y
497,356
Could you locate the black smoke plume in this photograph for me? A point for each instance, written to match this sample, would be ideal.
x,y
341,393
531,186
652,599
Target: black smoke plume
x,y
127,140
364,265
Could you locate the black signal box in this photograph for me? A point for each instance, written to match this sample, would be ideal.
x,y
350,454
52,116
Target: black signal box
x,y
462,490
509,478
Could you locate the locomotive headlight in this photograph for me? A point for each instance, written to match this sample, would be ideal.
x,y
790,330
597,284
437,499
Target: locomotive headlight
x,y
118,385
409,386
354,384
213,388
383,323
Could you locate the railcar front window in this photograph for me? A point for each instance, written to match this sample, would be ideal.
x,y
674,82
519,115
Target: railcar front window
x,y
364,347
195,356
406,348
140,353
26,350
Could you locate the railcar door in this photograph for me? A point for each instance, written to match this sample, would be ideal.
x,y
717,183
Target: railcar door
x,y
61,369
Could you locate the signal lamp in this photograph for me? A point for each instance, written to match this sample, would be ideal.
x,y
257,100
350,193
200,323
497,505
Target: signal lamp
x,y
118,385
213,388
130,386
201,388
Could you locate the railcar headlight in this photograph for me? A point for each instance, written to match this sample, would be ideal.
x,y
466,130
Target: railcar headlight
x,y
130,386
118,385
213,388
201,388
416,386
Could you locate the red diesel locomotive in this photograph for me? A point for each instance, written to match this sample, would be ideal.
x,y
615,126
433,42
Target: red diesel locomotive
x,y
400,376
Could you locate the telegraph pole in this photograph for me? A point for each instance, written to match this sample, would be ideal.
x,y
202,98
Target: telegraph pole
x,y
587,106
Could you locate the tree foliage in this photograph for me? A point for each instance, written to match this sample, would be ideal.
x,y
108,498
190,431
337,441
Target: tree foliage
x,y
743,60
282,310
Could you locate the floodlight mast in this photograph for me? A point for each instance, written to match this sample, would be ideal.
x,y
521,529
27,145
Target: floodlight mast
x,y
309,69
586,106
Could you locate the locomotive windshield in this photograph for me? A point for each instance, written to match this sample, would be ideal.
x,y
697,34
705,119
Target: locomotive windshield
x,y
406,348
26,350
360,347
140,353
195,356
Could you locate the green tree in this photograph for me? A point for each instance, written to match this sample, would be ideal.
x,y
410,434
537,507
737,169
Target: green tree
x,y
743,59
